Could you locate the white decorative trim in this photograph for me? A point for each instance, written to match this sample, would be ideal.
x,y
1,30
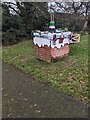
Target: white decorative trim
x,y
52,27
47,39
41,42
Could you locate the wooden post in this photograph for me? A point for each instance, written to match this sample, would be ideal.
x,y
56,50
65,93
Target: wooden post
x,y
52,16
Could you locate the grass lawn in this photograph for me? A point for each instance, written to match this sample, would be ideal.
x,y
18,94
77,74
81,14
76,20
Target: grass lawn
x,y
69,74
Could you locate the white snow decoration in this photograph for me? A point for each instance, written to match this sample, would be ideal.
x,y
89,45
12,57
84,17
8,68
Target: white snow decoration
x,y
66,34
41,41
50,36
47,39
52,27
57,44
36,34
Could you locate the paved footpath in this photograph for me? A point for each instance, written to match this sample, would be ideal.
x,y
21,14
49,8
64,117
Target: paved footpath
x,y
23,97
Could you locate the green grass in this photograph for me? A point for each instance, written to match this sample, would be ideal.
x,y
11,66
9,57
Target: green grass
x,y
69,74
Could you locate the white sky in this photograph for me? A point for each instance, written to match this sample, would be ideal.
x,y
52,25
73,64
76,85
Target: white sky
x,y
47,0
57,9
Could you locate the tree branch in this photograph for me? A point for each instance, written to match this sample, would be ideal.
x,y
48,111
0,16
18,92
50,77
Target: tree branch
x,y
10,3
39,9
16,11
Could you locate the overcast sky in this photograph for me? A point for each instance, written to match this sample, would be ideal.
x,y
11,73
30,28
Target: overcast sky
x,y
56,8
47,0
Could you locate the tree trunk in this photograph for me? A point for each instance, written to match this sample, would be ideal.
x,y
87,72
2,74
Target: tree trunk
x,y
85,25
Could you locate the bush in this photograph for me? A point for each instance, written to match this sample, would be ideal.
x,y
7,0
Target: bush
x,y
11,36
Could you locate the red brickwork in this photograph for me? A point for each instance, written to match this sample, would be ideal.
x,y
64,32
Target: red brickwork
x,y
56,53
43,53
47,53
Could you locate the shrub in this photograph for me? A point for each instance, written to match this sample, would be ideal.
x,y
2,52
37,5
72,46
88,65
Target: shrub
x,y
10,37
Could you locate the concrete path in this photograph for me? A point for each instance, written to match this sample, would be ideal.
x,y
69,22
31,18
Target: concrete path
x,y
23,97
